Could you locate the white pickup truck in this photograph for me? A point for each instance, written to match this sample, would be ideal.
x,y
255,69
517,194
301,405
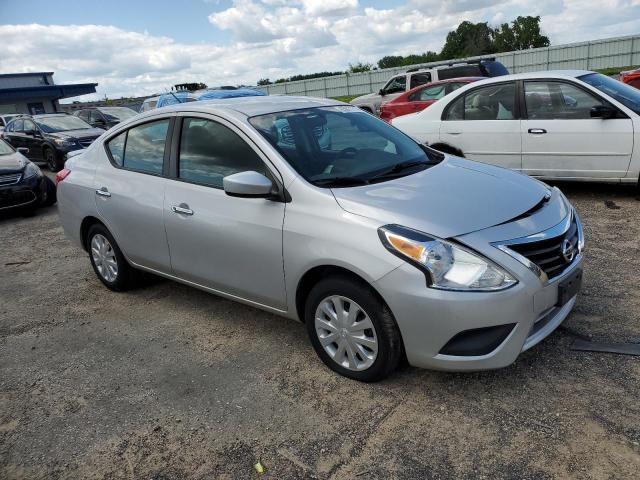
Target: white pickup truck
x,y
415,77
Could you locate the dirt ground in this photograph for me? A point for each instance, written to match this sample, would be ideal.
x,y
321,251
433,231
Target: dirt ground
x,y
168,382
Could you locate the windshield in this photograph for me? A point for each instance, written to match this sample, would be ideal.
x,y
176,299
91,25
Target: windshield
x,y
118,113
625,94
5,148
341,146
60,123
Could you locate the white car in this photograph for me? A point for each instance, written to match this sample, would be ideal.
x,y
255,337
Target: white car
x,y
569,125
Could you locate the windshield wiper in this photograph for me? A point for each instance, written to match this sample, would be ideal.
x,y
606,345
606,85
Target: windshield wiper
x,y
339,182
402,167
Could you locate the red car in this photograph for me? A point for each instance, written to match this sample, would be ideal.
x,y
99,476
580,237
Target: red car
x,y
631,77
421,97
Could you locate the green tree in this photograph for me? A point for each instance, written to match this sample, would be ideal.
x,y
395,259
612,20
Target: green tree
x,y
360,67
522,34
264,81
468,40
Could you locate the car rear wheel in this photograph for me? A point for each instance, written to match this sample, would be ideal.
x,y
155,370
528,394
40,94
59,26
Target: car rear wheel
x,y
107,259
51,159
352,330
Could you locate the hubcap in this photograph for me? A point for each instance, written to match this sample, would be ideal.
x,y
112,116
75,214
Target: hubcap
x,y
104,257
346,333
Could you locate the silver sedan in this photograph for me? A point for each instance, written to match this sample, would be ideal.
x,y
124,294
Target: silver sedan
x,y
317,211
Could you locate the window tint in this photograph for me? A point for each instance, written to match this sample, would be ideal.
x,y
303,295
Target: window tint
x,y
210,151
493,102
431,93
116,148
420,79
558,100
141,148
396,84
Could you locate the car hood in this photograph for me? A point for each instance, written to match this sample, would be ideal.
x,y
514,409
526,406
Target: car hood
x,y
450,199
364,98
11,163
78,134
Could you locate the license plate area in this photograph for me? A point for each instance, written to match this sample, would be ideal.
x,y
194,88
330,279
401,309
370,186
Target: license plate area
x,y
569,287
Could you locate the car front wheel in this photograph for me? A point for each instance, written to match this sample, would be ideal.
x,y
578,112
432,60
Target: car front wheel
x,y
352,330
107,259
52,160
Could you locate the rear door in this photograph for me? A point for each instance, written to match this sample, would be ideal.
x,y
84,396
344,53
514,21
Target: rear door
x,y
484,124
130,190
561,140
230,244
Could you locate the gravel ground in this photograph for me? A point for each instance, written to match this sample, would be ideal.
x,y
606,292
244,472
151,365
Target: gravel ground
x,y
168,382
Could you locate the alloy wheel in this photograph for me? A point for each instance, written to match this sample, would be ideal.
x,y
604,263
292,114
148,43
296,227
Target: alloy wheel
x,y
346,333
51,160
104,258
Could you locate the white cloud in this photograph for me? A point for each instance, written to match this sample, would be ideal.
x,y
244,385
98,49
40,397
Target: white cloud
x,y
277,38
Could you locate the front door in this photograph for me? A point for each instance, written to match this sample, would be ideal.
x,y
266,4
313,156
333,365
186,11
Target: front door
x,y
33,140
232,245
129,193
561,140
483,123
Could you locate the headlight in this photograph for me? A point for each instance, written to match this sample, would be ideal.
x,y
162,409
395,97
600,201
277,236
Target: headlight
x,y
31,170
63,142
448,266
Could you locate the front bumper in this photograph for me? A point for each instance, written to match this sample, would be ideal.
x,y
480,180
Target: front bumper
x,y
429,319
28,192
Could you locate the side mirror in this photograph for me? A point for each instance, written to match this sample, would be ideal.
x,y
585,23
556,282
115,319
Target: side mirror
x,y
23,150
382,92
248,184
603,111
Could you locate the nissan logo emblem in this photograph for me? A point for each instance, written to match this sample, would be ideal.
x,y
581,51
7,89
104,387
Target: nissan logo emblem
x,y
568,252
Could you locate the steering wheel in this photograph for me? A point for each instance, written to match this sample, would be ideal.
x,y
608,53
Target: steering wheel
x,y
348,152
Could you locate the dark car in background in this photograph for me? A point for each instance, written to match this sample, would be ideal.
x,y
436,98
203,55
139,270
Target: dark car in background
x,y
22,184
105,117
49,137
5,118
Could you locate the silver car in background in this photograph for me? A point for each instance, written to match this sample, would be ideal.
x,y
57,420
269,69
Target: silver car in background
x,y
384,248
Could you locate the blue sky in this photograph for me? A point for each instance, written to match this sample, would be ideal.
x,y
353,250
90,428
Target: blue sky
x,y
135,47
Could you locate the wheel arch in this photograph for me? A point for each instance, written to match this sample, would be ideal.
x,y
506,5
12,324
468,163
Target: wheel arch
x,y
312,276
87,223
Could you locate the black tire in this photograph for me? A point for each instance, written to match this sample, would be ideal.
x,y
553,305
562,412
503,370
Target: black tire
x,y
125,278
388,336
49,197
54,164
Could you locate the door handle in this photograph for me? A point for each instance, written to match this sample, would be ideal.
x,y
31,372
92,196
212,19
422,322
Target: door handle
x,y
537,131
103,192
183,208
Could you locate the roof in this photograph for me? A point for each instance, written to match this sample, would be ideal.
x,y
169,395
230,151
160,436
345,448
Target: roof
x,y
543,74
53,91
251,106
25,74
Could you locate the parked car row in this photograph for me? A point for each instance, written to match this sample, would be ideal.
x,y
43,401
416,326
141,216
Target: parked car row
x,y
566,125
416,77
388,249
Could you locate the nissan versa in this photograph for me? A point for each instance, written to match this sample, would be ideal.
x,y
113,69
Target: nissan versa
x,y
384,248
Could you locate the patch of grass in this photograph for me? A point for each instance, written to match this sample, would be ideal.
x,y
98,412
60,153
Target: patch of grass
x,y
345,98
615,70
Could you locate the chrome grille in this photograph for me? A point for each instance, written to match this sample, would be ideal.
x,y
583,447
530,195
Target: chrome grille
x,y
548,251
10,178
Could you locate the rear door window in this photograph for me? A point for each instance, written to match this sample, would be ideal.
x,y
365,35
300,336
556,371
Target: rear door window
x,y
140,148
558,101
430,93
418,79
